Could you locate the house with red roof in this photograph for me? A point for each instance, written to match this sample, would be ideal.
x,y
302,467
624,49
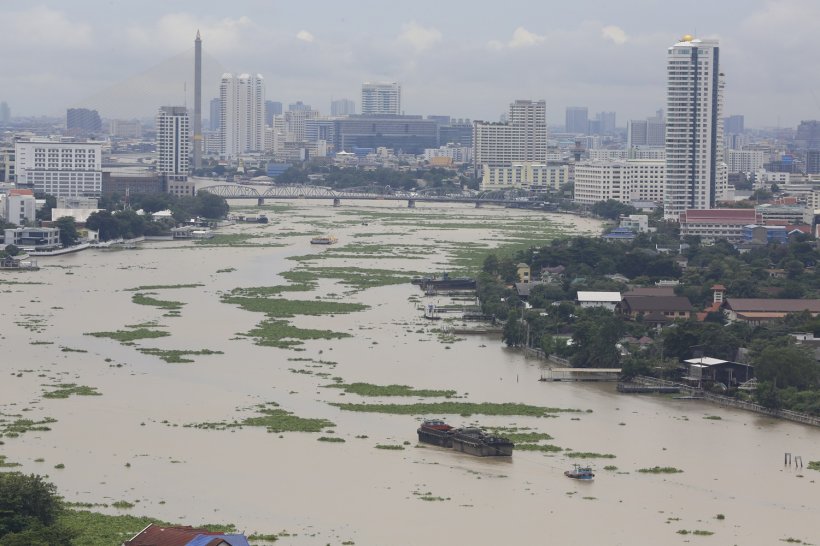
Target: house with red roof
x,y
157,535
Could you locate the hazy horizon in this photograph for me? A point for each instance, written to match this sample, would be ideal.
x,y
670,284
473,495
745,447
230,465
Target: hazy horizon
x,y
463,59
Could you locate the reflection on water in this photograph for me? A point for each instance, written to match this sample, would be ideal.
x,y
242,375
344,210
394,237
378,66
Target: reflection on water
x,y
333,492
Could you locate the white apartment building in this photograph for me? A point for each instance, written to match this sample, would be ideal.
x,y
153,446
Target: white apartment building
x,y
19,207
381,98
647,152
61,169
744,161
241,114
607,155
173,143
121,128
646,132
524,176
696,175
295,123
523,138
459,154
624,181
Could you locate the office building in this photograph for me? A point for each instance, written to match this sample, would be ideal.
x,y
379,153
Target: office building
x,y
733,125
82,121
524,176
523,138
409,134
744,161
213,121
272,108
127,183
295,120
5,113
298,106
812,161
122,128
342,107
173,143
808,135
381,98
59,168
713,224
242,114
623,181
577,120
646,132
456,131
606,122
7,163
696,176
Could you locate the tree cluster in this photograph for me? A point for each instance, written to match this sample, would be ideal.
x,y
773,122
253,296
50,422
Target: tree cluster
x,y
29,508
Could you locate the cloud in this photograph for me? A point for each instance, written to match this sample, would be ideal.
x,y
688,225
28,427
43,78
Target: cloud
x,y
521,37
175,31
614,34
305,36
419,37
41,27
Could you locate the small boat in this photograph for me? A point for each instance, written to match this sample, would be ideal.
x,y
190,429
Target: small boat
x,y
580,473
327,240
430,312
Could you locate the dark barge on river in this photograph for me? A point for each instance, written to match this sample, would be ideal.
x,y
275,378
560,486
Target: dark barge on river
x,y
445,282
470,440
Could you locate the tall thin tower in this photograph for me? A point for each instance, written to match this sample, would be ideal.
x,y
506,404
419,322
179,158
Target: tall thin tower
x,y
198,102
696,176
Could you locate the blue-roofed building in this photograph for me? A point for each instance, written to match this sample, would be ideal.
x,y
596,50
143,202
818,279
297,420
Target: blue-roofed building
x,y
620,234
275,169
763,235
157,535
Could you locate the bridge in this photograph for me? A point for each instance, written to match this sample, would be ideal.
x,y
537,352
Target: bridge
x,y
238,191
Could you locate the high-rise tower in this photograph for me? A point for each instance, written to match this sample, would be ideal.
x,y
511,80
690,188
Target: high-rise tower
x,y
381,98
696,175
173,135
242,114
197,102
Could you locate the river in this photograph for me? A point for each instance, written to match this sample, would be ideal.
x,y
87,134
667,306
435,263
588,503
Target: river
x,y
131,444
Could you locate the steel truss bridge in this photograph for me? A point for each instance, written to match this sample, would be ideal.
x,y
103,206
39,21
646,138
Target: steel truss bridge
x,y
237,191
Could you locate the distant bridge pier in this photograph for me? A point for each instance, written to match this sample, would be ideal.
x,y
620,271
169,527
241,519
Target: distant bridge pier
x,y
336,201
411,203
260,201
478,204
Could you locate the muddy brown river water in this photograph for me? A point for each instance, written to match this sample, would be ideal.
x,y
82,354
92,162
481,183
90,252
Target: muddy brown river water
x,y
328,493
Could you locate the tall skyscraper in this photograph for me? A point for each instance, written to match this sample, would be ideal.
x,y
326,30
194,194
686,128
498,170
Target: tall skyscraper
x,y
646,132
173,144
197,102
606,122
82,121
696,175
342,107
242,114
522,139
577,119
272,108
733,125
5,112
381,98
213,121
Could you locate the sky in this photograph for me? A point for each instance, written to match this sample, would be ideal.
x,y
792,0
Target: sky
x,y
467,59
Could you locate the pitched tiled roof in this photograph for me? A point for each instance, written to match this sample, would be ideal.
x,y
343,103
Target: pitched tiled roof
x,y
647,304
772,305
155,535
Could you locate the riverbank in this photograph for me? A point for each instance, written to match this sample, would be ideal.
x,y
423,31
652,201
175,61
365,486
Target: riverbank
x,y
323,492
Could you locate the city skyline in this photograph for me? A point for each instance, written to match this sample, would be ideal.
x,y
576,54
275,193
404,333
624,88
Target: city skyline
x,y
609,58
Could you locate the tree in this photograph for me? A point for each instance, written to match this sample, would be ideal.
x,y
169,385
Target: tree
x,y
29,507
45,211
612,209
68,230
515,331
787,366
209,205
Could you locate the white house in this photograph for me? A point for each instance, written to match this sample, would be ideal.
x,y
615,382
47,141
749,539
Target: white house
x,y
607,300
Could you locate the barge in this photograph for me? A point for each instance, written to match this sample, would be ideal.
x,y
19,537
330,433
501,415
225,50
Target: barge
x,y
471,440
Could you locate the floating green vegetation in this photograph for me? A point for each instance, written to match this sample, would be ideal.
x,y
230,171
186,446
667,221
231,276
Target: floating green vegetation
x,y
429,497
146,299
59,466
455,408
162,287
226,270
230,239
696,532
32,323
547,448
713,417
279,333
660,470
611,467
64,390
70,350
368,389
589,455
41,343
125,336
122,505
176,356
814,465
94,529
331,439
394,447
13,429
5,464
362,278
519,436
20,282
280,307
273,419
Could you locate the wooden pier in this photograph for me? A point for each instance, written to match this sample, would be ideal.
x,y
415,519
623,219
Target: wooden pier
x,y
633,388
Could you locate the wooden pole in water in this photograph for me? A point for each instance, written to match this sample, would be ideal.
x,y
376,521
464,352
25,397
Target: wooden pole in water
x,y
787,459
